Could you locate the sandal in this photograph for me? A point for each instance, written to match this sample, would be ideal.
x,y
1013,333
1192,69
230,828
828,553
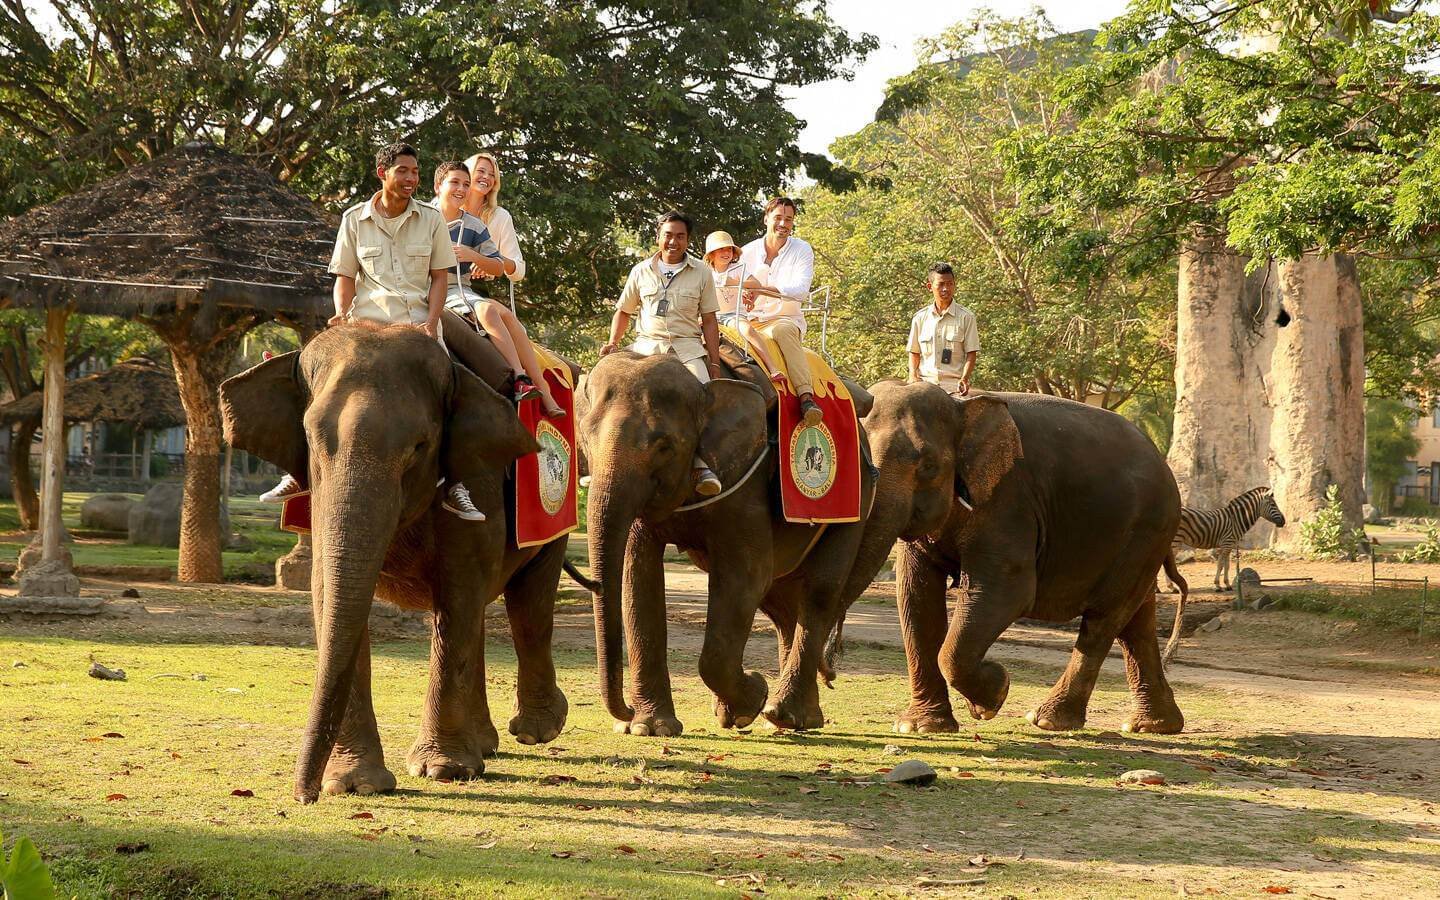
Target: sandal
x,y
525,388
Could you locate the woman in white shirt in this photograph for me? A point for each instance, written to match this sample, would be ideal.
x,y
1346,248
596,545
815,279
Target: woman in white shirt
x,y
723,258
495,317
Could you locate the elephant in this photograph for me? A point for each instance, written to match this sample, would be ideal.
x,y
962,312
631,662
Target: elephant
x,y
370,417
1070,512
646,419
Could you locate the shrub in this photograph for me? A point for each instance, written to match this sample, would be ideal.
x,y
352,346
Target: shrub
x,y
1427,551
1325,536
23,875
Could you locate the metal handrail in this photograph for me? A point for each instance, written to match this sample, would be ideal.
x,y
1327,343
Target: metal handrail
x,y
823,308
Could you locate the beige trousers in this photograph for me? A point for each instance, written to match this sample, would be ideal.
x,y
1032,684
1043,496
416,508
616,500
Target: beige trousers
x,y
787,335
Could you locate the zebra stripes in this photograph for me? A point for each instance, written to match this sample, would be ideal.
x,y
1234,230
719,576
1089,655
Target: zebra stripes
x,y
1221,529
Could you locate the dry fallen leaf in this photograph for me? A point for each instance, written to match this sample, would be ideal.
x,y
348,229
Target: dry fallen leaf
x,y
1277,889
557,779
21,762
242,792
1204,768
488,845
132,848
583,807
368,837
112,734
116,797
363,815
625,848
560,854
806,789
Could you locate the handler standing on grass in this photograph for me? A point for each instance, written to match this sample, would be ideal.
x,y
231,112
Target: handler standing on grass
x,y
944,341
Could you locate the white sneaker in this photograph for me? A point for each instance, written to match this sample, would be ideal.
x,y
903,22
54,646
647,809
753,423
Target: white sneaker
x,y
707,483
288,487
457,500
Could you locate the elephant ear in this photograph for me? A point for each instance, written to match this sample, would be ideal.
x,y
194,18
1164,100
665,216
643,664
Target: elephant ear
x,y
263,409
863,399
482,430
732,430
987,446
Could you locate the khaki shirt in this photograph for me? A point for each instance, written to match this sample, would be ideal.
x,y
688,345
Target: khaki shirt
x,y
391,260
691,294
933,332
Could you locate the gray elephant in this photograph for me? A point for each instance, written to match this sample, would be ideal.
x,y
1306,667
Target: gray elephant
x,y
1071,513
647,418
370,417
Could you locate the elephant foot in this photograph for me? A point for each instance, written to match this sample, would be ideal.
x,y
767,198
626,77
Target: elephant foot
x,y
986,693
452,761
795,714
365,774
1053,717
651,725
918,721
752,696
1167,721
540,723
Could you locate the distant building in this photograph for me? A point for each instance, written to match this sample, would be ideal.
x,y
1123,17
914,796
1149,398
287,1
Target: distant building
x,y
1422,474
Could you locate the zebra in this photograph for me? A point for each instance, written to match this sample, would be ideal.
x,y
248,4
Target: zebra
x,y
1221,529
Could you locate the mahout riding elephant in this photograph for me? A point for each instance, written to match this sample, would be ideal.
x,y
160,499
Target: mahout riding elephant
x,y
646,418
371,417
1070,513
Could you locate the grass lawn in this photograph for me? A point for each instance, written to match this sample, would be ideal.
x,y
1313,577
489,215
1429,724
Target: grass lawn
x,y
255,520
88,766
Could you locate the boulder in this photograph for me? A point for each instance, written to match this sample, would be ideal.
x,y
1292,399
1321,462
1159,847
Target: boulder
x,y
107,512
155,521
911,771
1142,776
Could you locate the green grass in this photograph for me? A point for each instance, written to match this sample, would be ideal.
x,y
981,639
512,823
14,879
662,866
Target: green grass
x,y
252,519
746,809
1393,609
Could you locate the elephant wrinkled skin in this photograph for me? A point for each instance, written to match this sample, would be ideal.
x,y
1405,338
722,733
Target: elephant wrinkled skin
x,y
371,417
1073,512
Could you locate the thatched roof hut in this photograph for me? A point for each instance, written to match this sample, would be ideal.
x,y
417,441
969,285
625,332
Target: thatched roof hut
x,y
199,246
197,225
136,392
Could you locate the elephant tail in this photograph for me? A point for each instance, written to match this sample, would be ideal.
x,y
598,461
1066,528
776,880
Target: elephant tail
x,y
581,579
834,648
1173,573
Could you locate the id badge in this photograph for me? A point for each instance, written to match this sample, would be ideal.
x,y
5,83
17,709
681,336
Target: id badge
x,y
945,357
662,306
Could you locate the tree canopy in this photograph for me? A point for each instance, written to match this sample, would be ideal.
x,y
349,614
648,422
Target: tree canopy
x,y
600,111
1282,127
935,187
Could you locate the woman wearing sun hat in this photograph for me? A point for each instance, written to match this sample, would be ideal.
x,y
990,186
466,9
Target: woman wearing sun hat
x,y
723,257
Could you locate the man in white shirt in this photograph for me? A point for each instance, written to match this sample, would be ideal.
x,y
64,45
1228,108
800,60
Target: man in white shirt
x,y
944,341
785,265
674,297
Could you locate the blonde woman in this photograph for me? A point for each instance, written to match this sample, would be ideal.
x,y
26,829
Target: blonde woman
x,y
505,330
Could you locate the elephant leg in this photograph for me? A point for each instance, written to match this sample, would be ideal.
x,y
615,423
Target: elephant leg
x,y
1064,709
796,704
796,701
921,592
782,606
646,639
1155,707
737,586
1000,592
456,732
540,705
357,764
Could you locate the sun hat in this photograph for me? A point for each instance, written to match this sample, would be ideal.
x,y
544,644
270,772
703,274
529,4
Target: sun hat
x,y
718,240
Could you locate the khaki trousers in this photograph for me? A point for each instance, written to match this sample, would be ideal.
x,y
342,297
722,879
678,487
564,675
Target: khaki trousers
x,y
787,335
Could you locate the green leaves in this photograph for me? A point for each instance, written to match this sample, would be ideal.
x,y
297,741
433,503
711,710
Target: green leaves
x,y
23,876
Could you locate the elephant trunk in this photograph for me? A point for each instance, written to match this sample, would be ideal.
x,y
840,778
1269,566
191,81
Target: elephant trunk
x,y
608,521
352,535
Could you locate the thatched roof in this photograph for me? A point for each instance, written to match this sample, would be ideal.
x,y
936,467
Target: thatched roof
x,y
195,225
136,392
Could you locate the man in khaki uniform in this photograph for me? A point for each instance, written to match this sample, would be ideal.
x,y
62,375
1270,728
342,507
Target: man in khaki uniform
x,y
674,296
393,252
390,263
944,341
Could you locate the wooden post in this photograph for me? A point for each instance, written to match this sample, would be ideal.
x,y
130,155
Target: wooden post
x,y
146,441
52,423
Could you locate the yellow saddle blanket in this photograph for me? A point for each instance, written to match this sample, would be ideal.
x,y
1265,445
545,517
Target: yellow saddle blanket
x,y
825,383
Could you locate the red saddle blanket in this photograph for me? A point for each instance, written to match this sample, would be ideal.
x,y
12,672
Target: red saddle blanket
x,y
546,499
819,464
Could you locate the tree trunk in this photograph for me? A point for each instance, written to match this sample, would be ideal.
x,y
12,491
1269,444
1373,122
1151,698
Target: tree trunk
x,y
203,342
1258,403
22,483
